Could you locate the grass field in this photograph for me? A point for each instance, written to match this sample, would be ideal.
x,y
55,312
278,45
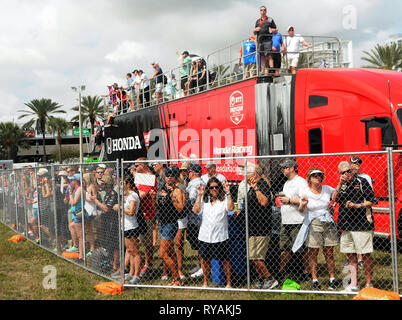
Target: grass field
x,y
21,276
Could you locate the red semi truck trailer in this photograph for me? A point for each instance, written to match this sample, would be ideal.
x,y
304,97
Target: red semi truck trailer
x,y
316,111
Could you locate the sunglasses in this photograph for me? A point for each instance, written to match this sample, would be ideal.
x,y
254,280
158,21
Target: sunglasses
x,y
317,175
347,171
213,187
100,172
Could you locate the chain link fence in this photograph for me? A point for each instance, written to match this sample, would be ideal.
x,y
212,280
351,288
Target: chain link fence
x,y
324,223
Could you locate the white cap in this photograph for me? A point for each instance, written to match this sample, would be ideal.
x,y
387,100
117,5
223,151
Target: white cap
x,y
316,171
63,173
42,171
290,27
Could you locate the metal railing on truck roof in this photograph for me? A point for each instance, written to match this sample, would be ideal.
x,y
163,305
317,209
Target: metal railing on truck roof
x,y
223,67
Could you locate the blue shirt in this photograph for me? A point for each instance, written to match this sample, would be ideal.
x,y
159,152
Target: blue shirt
x,y
249,49
277,41
129,82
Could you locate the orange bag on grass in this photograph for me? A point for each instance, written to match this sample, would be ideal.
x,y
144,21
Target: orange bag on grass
x,y
376,294
16,238
112,288
70,255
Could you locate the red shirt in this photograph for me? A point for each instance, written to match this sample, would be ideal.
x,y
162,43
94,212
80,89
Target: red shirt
x,y
147,204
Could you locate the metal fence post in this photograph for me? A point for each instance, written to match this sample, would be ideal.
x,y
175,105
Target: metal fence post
x,y
39,205
83,214
246,222
24,204
120,199
54,206
392,216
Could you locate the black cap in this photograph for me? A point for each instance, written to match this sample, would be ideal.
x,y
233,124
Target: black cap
x,y
185,52
196,168
172,171
289,164
356,159
135,71
140,71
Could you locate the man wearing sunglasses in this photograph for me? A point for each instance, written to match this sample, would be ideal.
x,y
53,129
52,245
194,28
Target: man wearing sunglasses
x,y
355,196
263,30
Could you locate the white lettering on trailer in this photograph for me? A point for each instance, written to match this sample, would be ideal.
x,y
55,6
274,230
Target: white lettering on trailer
x,y
122,144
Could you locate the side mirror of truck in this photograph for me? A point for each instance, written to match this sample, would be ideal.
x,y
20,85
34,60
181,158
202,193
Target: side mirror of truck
x,y
375,139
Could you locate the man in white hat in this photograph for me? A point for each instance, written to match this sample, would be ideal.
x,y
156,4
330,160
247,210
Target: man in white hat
x,y
293,43
211,172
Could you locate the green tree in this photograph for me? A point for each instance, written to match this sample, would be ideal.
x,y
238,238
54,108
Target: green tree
x,y
388,57
91,110
58,127
12,137
40,112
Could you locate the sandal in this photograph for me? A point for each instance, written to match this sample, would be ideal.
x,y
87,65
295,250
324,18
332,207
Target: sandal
x,y
176,283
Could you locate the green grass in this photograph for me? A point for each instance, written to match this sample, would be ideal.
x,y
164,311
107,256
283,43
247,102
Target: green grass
x,y
21,277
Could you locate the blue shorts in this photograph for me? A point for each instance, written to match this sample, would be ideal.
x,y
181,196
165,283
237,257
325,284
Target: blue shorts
x,y
35,213
168,231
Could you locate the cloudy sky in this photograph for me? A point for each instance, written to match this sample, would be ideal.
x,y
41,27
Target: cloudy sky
x,y
47,46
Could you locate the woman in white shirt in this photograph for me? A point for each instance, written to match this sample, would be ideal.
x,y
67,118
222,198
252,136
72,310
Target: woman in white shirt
x,y
131,230
319,226
214,202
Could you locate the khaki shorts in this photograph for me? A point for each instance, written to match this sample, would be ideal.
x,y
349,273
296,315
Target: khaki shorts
x,y
359,242
258,247
322,235
147,238
250,70
288,236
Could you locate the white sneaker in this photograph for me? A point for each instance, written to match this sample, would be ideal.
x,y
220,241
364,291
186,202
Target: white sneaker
x,y
164,278
351,288
197,274
195,269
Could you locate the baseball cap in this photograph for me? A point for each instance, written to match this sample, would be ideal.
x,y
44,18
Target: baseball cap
x,y
172,171
185,166
140,71
356,159
289,164
210,164
97,122
135,71
63,173
196,168
42,171
185,52
290,27
75,177
155,62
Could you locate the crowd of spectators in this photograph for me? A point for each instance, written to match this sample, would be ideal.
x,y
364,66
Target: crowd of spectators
x,y
178,204
141,91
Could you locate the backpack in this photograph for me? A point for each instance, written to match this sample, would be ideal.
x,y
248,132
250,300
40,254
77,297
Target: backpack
x,y
99,261
165,79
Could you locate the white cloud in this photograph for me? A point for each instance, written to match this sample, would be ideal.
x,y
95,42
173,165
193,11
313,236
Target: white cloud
x,y
126,52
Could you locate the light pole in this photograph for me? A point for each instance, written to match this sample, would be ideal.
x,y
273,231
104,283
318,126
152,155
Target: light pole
x,y
79,89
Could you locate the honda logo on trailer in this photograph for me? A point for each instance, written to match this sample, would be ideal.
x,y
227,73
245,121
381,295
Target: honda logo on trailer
x,y
122,144
236,107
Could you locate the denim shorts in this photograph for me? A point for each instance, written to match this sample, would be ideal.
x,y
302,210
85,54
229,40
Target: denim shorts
x,y
35,213
168,231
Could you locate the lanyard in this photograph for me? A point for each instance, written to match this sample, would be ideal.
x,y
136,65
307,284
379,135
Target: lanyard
x,y
262,21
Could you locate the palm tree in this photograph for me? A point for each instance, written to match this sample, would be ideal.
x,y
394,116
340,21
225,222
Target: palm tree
x,y
12,137
40,111
388,57
59,127
91,110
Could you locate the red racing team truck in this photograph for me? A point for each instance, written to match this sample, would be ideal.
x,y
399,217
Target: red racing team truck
x,y
316,111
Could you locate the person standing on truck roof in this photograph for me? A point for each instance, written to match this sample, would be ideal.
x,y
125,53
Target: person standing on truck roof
x,y
247,52
293,48
184,70
158,76
144,90
130,89
263,31
292,218
211,172
355,198
278,46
